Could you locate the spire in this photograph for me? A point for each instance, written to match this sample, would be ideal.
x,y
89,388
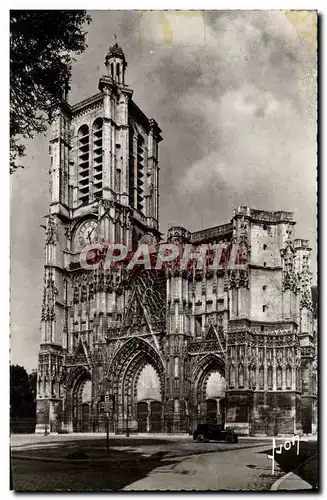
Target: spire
x,y
115,62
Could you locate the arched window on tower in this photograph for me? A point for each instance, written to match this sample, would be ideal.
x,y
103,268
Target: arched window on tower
x,y
83,164
112,69
270,377
176,366
279,377
97,157
232,376
135,238
261,378
117,231
241,376
306,378
288,377
118,72
53,387
118,181
298,379
198,325
314,383
253,377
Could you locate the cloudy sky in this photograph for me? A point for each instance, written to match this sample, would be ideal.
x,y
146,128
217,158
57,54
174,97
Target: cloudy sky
x,y
235,96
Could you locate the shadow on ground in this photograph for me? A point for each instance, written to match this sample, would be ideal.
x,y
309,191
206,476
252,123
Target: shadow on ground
x,y
305,464
96,448
114,441
79,465
74,476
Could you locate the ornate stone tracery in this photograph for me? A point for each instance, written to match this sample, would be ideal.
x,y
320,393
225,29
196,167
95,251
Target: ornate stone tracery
x,y
51,236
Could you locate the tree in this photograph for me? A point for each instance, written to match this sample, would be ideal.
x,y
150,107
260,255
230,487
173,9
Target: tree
x,y
41,47
22,395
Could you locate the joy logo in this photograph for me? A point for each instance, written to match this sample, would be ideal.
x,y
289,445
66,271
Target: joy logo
x,y
287,446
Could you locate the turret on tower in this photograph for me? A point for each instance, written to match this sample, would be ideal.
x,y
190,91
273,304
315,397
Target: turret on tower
x,y
116,63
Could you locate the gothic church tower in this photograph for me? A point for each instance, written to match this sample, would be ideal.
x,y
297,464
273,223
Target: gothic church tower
x,y
103,186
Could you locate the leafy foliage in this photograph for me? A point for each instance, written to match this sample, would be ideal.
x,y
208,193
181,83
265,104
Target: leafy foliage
x,y
41,48
22,392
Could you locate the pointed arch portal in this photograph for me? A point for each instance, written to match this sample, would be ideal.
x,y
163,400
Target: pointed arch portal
x,y
149,408
136,380
208,395
79,392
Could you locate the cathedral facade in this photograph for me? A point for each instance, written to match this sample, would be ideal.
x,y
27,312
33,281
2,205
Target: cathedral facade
x,y
232,346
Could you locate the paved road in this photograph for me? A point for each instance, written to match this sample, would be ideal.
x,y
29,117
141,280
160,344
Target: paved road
x,y
37,476
233,470
201,472
121,447
139,463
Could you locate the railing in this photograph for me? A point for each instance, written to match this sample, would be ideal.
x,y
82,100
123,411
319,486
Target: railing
x,y
213,232
272,216
201,346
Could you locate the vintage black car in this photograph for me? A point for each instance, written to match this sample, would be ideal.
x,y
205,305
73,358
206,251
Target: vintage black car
x,y
214,432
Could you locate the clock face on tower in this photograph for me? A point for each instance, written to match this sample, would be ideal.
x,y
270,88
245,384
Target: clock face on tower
x,y
87,233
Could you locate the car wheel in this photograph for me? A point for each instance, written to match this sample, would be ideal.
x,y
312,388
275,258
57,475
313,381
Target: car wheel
x,y
229,438
200,438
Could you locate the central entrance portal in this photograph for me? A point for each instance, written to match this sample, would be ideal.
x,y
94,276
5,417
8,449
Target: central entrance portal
x,y
149,416
149,408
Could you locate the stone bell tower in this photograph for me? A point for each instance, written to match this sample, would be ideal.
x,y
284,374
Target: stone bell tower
x,y
103,187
